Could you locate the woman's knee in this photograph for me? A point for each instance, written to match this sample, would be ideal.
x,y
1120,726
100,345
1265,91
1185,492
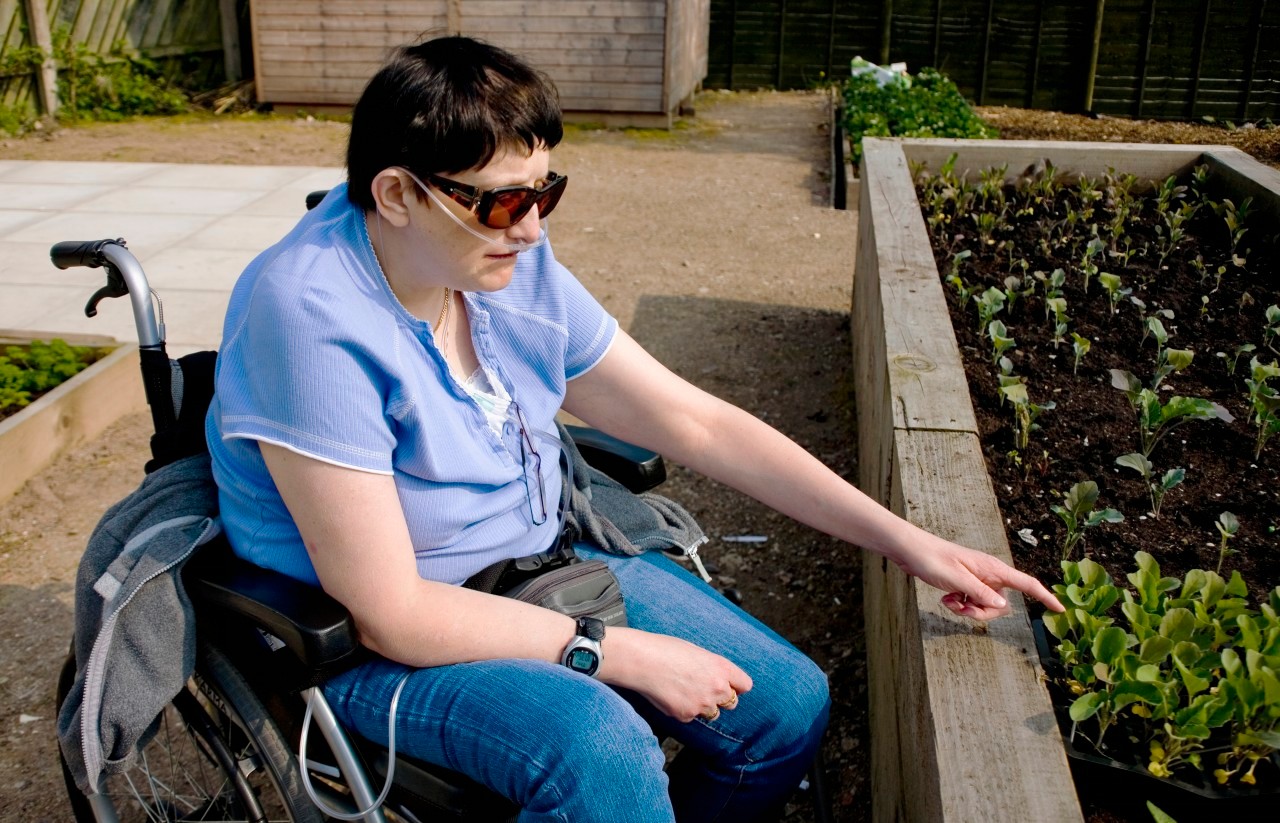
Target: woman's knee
x,y
600,755
799,704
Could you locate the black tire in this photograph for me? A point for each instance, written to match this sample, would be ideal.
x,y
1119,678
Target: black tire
x,y
217,756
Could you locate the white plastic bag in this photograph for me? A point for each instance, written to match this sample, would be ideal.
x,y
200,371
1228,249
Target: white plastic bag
x,y
895,73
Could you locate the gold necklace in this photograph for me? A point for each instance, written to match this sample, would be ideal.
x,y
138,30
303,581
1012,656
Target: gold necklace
x,y
444,315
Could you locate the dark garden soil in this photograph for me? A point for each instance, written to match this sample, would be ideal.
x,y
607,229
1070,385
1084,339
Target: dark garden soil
x,y
1093,422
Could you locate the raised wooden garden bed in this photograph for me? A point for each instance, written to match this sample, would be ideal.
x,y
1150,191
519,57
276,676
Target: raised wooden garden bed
x,y
962,725
74,412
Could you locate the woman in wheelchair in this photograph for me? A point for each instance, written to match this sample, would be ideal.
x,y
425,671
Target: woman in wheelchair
x,y
384,426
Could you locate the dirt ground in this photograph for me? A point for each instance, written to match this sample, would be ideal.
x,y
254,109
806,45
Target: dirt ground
x,y
714,247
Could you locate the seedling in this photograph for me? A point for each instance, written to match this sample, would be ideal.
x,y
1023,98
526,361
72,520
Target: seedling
x,y
1227,527
1080,347
1156,419
1078,514
986,223
1243,348
953,278
1169,361
1115,289
1087,266
1058,305
990,303
1001,342
1025,413
1264,400
1271,330
1156,487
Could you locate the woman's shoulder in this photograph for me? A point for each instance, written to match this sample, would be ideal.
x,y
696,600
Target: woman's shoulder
x,y
315,280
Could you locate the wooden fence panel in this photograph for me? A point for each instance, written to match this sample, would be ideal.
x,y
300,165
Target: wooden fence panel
x,y
168,30
1224,65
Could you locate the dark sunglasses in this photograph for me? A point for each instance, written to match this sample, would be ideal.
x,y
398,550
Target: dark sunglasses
x,y
503,207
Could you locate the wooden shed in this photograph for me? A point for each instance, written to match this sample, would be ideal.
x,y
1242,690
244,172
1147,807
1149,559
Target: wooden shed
x,y
622,62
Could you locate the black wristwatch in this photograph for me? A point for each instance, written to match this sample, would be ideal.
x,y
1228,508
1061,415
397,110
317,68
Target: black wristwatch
x,y
583,652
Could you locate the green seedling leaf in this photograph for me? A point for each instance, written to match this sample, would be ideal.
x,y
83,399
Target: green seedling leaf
x,y
1158,815
1093,574
1059,625
1179,359
1110,644
1136,461
1154,649
1177,625
1086,706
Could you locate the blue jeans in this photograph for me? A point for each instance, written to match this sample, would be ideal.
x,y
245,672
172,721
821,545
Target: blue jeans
x,y
568,748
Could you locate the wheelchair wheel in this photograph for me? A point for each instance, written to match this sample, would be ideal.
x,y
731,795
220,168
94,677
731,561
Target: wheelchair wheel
x,y
217,755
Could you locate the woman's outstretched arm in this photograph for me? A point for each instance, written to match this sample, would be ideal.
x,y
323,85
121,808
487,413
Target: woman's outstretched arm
x,y
631,395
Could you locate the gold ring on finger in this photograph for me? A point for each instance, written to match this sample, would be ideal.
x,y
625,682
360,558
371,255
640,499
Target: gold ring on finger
x,y
731,703
711,715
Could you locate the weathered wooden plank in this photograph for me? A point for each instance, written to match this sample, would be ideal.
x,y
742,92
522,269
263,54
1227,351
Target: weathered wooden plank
x,y
687,38
538,8
620,58
282,85
482,26
389,9
12,19
364,69
358,22
266,40
925,378
153,34
47,77
1149,161
941,484
1236,173
230,28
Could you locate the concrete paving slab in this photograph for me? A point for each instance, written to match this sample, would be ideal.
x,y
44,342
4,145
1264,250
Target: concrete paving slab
x,y
181,267
157,200
15,219
242,232
47,196
22,308
194,228
28,264
248,178
68,172
145,233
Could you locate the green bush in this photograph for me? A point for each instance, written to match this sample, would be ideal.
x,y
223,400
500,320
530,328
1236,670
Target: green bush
x,y
27,371
113,87
929,105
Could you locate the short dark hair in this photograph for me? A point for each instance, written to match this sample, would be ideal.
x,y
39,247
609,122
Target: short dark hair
x,y
447,105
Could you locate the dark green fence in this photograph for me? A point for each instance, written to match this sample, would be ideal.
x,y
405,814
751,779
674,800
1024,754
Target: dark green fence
x,y
1169,59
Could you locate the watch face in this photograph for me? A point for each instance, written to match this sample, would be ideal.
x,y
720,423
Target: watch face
x,y
583,660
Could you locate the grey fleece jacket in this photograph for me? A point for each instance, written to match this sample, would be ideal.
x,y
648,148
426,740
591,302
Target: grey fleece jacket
x,y
135,628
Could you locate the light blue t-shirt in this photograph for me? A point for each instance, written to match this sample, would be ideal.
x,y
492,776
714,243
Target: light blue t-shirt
x,y
319,356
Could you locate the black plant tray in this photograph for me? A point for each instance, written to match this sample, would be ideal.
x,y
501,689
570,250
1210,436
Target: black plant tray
x,y
1126,787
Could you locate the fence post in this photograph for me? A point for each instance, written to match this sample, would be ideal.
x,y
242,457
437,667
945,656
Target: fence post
x,y
230,40
1034,74
1197,61
47,77
937,35
1145,57
782,38
886,30
1093,56
986,53
1252,65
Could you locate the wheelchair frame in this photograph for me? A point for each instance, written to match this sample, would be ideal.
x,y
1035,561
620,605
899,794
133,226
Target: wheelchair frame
x,y
308,635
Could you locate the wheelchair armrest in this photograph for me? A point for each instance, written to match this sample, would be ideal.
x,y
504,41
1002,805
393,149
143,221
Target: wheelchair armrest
x,y
317,629
634,467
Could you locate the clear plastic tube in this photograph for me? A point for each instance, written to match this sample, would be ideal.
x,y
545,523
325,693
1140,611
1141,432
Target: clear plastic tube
x,y
515,247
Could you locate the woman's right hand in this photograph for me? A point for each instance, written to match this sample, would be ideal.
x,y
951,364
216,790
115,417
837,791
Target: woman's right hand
x,y
681,679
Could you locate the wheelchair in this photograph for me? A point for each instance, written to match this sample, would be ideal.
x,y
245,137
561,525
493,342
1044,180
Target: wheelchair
x,y
227,746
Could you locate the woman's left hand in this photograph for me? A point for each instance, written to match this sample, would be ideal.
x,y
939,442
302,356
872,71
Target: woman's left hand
x,y
972,580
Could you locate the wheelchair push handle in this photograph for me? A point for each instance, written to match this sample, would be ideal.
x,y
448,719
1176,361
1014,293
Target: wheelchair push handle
x,y
124,277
